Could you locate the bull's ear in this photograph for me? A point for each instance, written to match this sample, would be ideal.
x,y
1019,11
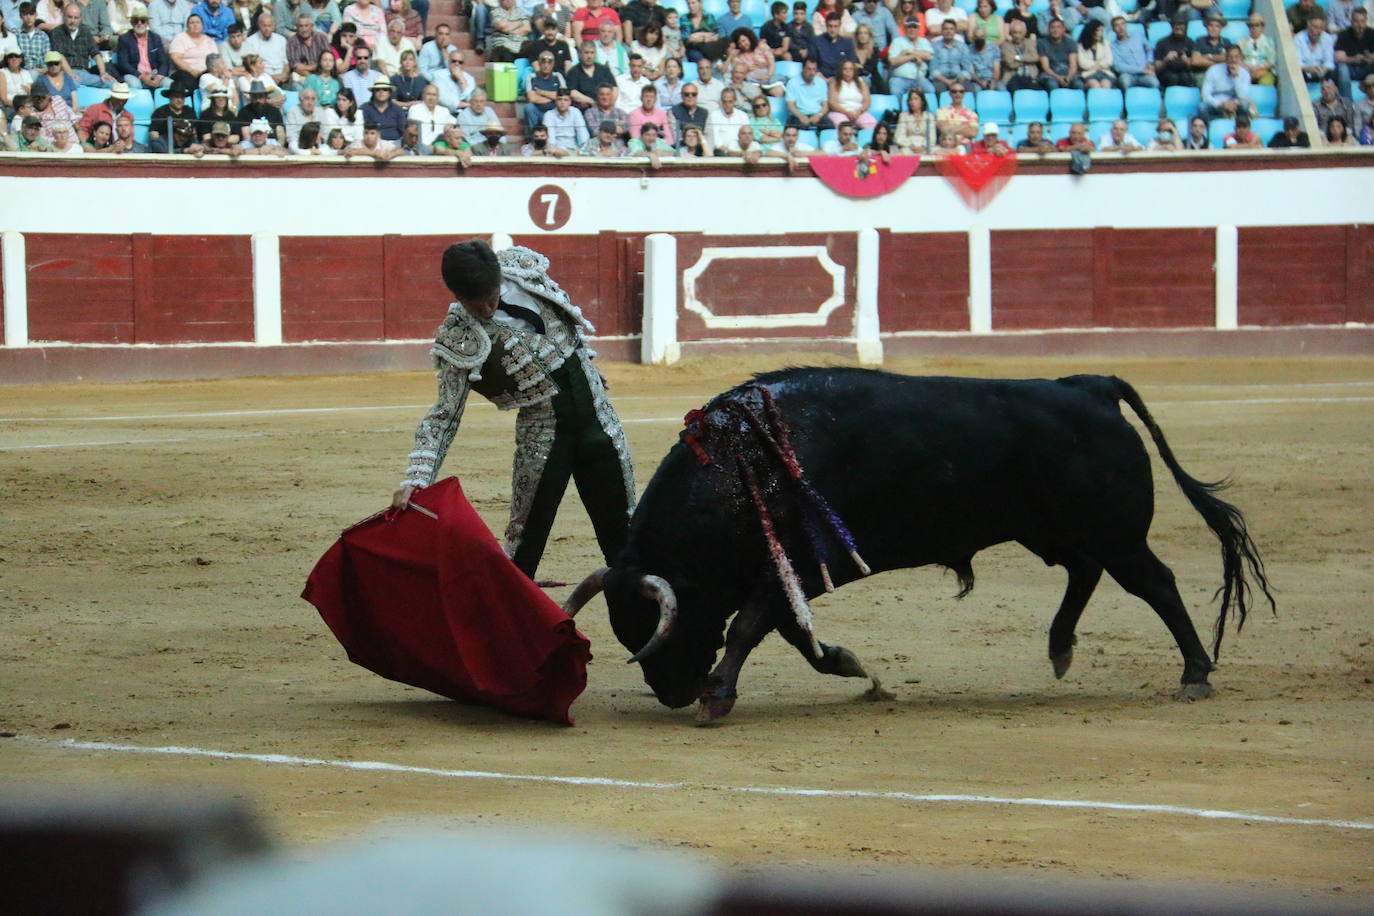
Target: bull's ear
x,y
586,590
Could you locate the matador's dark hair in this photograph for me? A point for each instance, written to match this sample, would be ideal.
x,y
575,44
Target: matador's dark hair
x,y
470,269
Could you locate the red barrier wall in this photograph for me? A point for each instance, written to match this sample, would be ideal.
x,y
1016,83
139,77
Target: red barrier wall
x,y
756,287
923,285
603,274
140,288
1309,275
1103,278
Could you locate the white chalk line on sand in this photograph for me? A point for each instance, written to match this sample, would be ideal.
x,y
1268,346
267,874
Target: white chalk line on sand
x,y
375,766
651,419
1225,402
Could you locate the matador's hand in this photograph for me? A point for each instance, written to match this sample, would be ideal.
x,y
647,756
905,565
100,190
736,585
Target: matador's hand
x,y
401,498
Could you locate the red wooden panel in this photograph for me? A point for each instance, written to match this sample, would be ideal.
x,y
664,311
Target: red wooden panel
x,y
763,286
1160,278
923,283
1359,275
80,288
175,307
598,272
1292,275
415,295
1042,278
332,288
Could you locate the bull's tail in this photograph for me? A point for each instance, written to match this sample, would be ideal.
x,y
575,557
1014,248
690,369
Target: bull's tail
x,y
1238,550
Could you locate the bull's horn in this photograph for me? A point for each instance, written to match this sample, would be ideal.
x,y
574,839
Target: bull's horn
x,y
586,590
658,589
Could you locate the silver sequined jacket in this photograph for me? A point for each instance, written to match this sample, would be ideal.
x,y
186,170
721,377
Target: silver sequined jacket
x,y
510,367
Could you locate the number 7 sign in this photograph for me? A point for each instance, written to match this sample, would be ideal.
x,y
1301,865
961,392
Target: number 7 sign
x,y
550,207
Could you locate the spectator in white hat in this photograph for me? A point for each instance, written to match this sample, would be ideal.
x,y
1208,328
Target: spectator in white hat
x,y
104,112
260,141
389,117
141,57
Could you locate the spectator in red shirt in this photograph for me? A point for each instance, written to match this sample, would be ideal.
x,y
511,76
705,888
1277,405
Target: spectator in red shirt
x,y
590,17
1077,140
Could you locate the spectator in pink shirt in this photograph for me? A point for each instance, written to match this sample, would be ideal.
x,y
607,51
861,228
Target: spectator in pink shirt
x,y
649,113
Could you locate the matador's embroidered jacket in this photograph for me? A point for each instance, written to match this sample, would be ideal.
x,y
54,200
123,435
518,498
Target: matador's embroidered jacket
x,y
512,368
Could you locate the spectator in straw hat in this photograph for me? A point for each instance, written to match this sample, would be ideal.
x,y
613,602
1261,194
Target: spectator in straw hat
x,y
104,112
141,58
492,136
390,118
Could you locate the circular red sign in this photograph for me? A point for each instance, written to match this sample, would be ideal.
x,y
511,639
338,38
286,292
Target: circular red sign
x,y
550,207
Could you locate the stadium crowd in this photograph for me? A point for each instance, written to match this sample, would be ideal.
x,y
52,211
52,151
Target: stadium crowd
x,y
657,79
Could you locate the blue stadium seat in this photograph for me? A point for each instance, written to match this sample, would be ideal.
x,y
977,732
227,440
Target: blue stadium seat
x,y
1099,129
994,105
679,5
879,104
1135,28
1128,6
1031,105
140,105
786,69
1040,6
1266,99
1235,9
930,103
1104,103
1144,131
1056,131
1314,91
1018,133
967,6
809,137
293,99
778,106
1143,102
1217,131
522,70
1235,31
757,11
1067,104
140,131
1266,128
1181,103
715,7
1356,93
86,96
863,136
1196,29
944,99
1157,31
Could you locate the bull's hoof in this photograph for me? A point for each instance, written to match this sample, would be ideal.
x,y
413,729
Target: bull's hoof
x,y
1190,692
846,664
1061,662
712,708
878,692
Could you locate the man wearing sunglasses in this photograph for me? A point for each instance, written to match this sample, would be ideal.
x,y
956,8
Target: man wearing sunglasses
x,y
688,113
141,58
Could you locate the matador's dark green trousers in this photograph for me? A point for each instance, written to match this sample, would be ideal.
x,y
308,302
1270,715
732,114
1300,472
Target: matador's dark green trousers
x,y
580,450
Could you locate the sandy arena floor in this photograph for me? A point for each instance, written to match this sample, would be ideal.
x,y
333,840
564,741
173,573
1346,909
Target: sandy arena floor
x,y
157,537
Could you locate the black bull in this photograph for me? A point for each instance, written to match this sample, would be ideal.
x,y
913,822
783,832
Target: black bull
x,y
922,470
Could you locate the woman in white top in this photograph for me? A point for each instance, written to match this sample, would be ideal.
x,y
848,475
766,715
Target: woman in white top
x,y
431,117
849,97
1094,58
14,79
217,76
649,45
256,69
118,11
915,125
345,116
